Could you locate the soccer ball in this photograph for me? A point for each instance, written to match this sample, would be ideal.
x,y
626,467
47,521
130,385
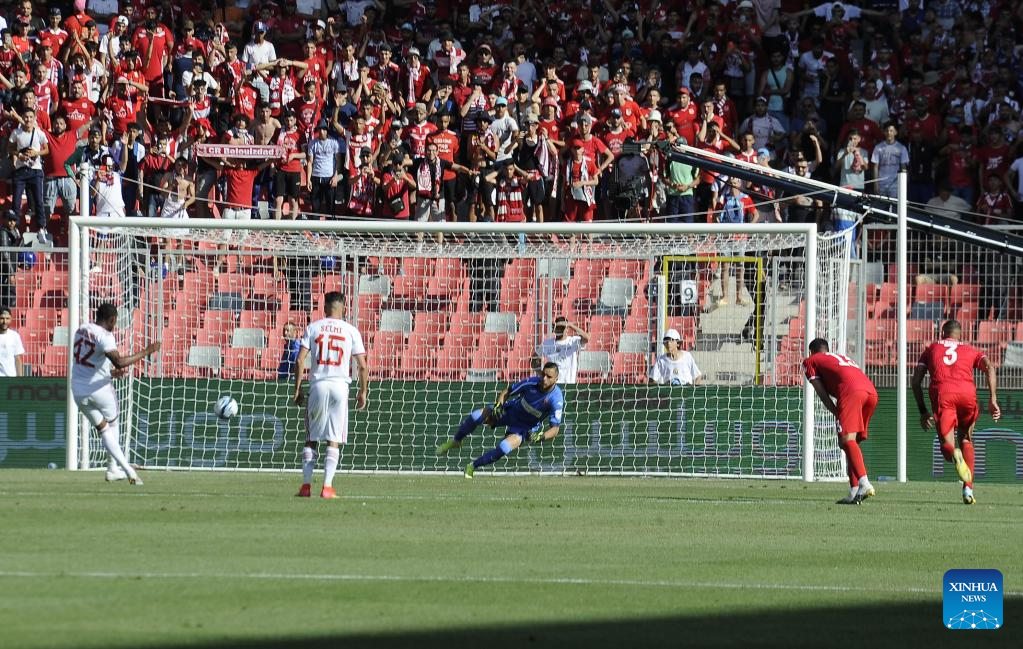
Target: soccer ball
x,y
226,407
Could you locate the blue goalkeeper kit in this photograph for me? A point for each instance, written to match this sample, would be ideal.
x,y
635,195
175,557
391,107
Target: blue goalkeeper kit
x,y
527,406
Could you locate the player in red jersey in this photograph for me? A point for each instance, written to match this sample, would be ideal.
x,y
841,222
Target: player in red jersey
x,y
848,394
953,393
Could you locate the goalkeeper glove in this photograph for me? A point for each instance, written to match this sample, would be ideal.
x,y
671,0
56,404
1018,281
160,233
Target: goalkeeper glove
x,y
497,412
537,437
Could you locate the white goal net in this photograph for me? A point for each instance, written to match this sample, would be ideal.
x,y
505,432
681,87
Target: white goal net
x,y
448,323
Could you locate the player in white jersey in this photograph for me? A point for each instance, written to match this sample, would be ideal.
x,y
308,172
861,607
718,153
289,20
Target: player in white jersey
x,y
97,363
675,366
332,344
563,348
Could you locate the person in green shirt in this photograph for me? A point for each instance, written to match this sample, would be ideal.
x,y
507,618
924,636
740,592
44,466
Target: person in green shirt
x,y
679,183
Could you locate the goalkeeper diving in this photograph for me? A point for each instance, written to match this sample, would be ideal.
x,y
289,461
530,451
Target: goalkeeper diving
x,y
524,408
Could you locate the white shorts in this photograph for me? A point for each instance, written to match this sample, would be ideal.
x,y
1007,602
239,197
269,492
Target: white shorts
x,y
429,210
98,406
237,214
326,412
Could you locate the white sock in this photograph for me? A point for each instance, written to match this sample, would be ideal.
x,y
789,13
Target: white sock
x,y
864,483
308,464
853,491
330,465
113,447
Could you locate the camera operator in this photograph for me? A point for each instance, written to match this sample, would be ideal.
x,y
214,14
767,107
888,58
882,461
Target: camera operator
x,y
632,181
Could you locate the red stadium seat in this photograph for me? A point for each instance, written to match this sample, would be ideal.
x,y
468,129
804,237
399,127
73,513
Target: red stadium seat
x,y
431,324
797,328
452,364
257,320
447,279
408,292
268,284
880,330
604,331
389,266
198,285
419,357
688,327
968,315
467,324
384,354
213,337
637,324
517,285
54,281
42,320
54,361
994,335
520,358
629,367
233,283
492,352
637,270
788,370
920,331
417,266
931,293
961,294
640,306
872,294
880,353
219,320
240,364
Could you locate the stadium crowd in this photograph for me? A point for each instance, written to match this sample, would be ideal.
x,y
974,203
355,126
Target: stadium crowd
x,y
507,111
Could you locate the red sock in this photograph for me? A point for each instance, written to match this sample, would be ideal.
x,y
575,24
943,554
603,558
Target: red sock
x,y
967,448
855,459
946,451
849,470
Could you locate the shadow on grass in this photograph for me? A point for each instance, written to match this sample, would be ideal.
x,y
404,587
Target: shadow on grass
x,y
862,627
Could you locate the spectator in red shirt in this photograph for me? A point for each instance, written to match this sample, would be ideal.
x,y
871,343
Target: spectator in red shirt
x,y
995,203
581,179
288,180
59,184
77,108
994,158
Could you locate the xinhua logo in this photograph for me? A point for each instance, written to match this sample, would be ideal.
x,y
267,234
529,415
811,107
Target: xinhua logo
x,y
973,599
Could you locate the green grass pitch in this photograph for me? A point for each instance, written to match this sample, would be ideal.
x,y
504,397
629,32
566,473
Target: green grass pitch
x,y
234,560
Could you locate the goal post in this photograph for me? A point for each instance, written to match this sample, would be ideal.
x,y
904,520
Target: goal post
x,y
450,313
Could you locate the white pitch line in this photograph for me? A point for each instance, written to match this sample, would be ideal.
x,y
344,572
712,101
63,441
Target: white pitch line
x,y
550,581
468,496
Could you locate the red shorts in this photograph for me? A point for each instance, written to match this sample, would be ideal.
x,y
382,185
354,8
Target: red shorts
x,y
854,412
955,411
578,211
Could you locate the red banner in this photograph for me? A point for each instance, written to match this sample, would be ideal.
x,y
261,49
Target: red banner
x,y
252,151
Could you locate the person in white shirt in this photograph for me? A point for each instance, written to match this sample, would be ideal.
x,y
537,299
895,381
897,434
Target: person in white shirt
x,y
563,348
505,128
107,186
258,52
27,146
11,347
948,204
675,366
96,363
887,160
331,344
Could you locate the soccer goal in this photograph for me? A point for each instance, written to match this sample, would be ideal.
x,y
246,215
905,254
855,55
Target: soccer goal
x,y
451,313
